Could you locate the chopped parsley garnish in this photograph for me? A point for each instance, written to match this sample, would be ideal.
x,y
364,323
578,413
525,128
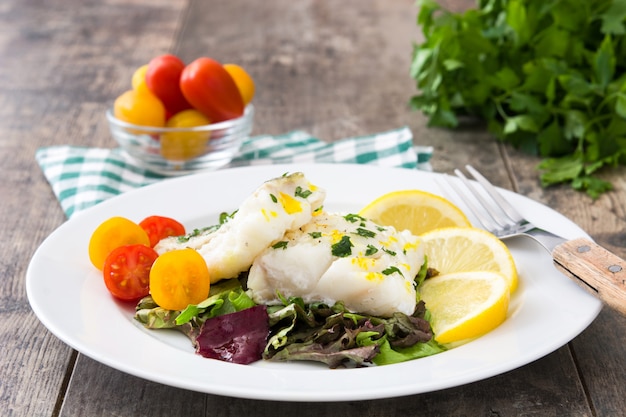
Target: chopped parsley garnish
x,y
273,197
370,250
380,228
224,217
315,235
390,252
364,232
342,248
197,232
353,218
392,270
302,193
280,245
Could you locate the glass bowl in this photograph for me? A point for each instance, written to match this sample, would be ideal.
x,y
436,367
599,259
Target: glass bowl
x,y
180,151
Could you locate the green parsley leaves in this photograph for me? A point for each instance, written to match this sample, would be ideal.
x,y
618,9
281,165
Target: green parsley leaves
x,y
302,193
280,245
371,249
392,270
365,232
548,77
343,248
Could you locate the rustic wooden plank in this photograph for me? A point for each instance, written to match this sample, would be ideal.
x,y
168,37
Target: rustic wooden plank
x,y
605,220
333,70
531,391
598,355
98,390
598,349
33,362
33,365
62,64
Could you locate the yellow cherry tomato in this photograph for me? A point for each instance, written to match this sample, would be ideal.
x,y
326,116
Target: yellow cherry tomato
x,y
111,234
140,108
243,80
182,146
139,79
179,278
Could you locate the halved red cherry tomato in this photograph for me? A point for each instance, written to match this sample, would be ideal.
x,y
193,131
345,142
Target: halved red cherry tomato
x,y
159,227
163,79
208,87
127,271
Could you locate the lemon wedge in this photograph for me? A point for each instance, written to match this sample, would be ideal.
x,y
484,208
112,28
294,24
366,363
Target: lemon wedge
x,y
464,249
465,305
415,210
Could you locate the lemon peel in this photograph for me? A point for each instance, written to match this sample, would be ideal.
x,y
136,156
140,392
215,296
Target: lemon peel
x,y
465,305
416,210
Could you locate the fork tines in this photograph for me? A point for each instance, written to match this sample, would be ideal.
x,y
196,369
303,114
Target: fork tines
x,y
501,215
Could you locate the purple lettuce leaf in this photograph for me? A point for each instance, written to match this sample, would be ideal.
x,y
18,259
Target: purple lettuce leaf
x,y
238,337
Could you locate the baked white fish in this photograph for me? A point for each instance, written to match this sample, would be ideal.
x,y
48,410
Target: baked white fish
x,y
277,206
347,258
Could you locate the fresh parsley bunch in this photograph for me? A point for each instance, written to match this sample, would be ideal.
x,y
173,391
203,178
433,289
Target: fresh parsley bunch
x,y
546,75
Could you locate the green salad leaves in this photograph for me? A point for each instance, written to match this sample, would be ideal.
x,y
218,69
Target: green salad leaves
x,y
226,326
335,336
547,76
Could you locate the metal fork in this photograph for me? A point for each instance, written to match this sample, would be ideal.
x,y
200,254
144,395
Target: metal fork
x,y
601,271
500,219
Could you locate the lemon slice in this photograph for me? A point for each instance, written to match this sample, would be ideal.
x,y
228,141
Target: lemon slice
x,y
464,249
465,305
415,210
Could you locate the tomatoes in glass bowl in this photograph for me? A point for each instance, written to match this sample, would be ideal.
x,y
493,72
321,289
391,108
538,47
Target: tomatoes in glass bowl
x,y
180,119
182,150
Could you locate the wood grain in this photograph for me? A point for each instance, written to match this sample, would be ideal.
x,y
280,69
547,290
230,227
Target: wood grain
x,y
306,55
600,270
63,62
333,69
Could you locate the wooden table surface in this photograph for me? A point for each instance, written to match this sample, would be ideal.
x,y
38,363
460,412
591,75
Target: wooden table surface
x,y
334,69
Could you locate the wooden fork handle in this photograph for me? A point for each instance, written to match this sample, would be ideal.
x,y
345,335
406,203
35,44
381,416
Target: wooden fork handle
x,y
603,272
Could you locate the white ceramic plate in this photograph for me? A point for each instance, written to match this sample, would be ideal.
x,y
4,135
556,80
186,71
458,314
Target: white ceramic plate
x,y
68,296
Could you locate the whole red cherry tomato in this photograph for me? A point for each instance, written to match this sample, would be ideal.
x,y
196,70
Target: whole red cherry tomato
x,y
127,271
163,79
159,227
209,88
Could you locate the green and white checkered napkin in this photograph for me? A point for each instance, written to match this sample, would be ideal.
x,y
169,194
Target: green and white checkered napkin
x,y
82,177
